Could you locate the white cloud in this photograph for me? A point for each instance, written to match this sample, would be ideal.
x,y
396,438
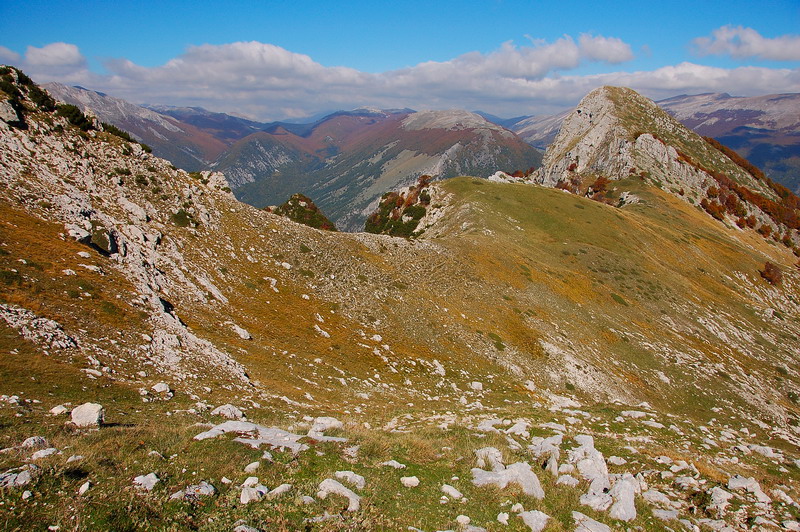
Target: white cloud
x,y
741,43
57,54
8,56
267,82
608,49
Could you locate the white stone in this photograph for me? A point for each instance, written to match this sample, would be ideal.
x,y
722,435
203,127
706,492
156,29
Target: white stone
x,y
519,473
59,410
280,490
476,386
490,457
517,508
623,493
393,463
161,387
331,486
502,518
88,415
451,492
34,442
146,482
84,487
351,477
535,520
249,494
243,333
463,520
228,411
251,467
584,523
409,482
44,453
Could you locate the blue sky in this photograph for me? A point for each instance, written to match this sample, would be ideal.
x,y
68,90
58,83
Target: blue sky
x,y
272,60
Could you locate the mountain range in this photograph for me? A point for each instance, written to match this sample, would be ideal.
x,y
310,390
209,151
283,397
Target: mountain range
x,y
609,341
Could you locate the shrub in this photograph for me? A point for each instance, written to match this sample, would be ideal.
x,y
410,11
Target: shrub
x,y
74,116
181,218
772,273
43,101
765,230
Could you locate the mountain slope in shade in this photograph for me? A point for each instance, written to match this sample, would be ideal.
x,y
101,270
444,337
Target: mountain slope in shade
x,y
190,144
348,160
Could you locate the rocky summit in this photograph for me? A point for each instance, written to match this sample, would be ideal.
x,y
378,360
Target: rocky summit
x,y
609,343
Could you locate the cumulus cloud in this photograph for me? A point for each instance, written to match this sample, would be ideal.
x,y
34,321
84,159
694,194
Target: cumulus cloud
x,y
608,49
267,82
741,43
57,54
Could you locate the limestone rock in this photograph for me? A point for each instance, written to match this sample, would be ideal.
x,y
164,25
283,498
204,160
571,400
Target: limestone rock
x,y
330,486
88,415
146,482
584,523
409,482
351,477
228,411
535,520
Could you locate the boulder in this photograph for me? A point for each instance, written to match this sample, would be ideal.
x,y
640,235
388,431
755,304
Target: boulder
x,y
88,415
409,482
146,482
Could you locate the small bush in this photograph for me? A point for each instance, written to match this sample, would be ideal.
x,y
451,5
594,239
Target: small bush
x,y
772,273
181,218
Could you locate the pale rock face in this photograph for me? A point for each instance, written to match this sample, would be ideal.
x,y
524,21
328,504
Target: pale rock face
x,y
88,415
351,477
7,112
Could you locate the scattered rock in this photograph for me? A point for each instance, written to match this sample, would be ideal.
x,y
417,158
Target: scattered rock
x,y
351,477
502,518
280,490
409,482
451,492
584,523
393,463
146,482
256,435
519,473
34,442
535,520
44,453
330,486
88,415
84,487
251,467
228,411
463,520
194,493
59,410
161,387
323,424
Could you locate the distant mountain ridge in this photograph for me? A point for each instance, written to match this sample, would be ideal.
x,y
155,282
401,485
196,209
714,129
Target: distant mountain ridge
x,y
349,159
